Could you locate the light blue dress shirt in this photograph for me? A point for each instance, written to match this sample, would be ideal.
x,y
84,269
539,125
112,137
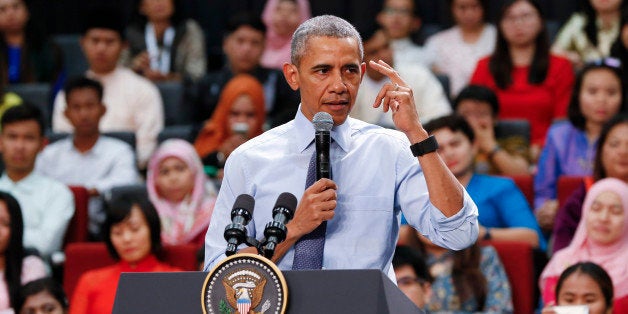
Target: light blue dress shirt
x,y
377,178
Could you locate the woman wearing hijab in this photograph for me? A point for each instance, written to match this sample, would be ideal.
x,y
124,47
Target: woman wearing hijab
x,y
282,17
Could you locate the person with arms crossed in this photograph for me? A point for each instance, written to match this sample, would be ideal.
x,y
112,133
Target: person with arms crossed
x,y
360,209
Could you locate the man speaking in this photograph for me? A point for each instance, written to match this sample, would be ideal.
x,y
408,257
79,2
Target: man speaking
x,y
352,220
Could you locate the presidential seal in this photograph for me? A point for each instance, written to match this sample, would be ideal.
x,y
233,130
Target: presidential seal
x,y
244,284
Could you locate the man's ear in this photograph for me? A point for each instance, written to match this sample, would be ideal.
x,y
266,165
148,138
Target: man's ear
x,y
362,70
291,73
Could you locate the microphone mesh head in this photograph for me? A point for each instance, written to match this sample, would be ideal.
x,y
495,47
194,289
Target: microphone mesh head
x,y
245,201
286,200
323,121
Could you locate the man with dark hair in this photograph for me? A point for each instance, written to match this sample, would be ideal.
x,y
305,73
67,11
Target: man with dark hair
x,y
496,155
111,162
243,45
413,275
47,205
133,102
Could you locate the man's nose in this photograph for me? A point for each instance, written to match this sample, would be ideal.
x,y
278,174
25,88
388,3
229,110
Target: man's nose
x,y
338,83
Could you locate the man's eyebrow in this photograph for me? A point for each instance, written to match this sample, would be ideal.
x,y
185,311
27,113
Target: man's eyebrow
x,y
321,67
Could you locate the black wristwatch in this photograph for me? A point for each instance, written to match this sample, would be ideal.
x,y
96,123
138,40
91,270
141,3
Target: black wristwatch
x,y
425,146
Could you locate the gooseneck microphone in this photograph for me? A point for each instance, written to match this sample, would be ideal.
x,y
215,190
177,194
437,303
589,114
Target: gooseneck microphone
x,y
275,230
323,122
235,232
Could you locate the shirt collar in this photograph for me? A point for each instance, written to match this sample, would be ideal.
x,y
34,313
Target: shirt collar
x,y
341,134
25,184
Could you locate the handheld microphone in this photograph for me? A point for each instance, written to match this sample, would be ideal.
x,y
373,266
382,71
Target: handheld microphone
x,y
241,213
275,230
323,122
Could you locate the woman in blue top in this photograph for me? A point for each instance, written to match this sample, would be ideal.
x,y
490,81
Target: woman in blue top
x,y
504,213
570,145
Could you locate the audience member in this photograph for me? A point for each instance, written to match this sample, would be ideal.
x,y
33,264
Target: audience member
x,y
588,35
26,54
42,296
530,83
504,213
133,103
601,238
413,276
238,117
570,145
163,45
456,51
619,49
47,205
181,193
132,234
584,283
111,162
610,162
243,45
466,281
427,91
399,19
497,154
281,17
16,268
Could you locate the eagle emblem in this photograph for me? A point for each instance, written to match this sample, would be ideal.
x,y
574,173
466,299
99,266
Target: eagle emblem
x,y
244,290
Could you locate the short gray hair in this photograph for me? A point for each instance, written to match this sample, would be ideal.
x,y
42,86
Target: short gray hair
x,y
322,26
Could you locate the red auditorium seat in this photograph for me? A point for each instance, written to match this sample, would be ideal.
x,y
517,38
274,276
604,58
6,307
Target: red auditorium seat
x,y
526,185
81,257
77,228
565,186
518,261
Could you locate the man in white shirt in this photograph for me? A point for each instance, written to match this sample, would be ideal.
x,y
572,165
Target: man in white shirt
x,y
133,102
111,162
47,205
430,99
400,18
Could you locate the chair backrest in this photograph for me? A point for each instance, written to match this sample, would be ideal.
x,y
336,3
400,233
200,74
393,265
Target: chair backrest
x,y
174,111
73,57
525,183
513,127
127,137
82,257
518,261
565,186
185,132
37,94
78,227
443,79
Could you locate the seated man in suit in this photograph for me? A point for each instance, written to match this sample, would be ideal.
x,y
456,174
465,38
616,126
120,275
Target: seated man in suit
x,y
243,46
110,162
47,205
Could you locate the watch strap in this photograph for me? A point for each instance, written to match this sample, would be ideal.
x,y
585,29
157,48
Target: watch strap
x,y
425,146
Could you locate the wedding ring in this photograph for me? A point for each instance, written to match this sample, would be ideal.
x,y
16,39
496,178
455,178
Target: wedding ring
x,y
396,87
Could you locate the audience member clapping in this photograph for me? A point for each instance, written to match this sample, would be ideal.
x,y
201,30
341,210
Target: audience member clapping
x,y
133,102
47,205
456,51
132,234
570,145
238,117
15,267
26,54
583,283
111,162
179,190
610,161
601,237
588,35
163,45
530,83
42,296
497,154
504,213
281,18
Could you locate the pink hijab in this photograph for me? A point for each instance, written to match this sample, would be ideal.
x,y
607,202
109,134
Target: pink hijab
x,y
613,258
179,227
277,49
